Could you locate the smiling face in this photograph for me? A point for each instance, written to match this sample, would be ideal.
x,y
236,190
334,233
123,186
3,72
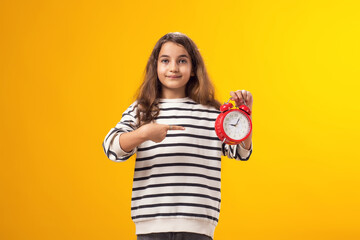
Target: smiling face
x,y
174,70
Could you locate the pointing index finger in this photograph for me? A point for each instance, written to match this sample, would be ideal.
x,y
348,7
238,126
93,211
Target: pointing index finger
x,y
174,127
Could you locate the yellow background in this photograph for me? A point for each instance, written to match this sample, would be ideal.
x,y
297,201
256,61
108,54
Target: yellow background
x,y
69,69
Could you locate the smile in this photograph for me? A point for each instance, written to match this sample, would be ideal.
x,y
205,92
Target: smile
x,y
173,76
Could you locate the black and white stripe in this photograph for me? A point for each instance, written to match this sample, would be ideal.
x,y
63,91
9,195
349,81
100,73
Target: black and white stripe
x,y
127,123
180,176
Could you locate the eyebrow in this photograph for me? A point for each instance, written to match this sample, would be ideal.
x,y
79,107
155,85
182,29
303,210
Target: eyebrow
x,y
178,56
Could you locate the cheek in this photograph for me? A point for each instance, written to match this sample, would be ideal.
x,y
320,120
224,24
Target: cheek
x,y
160,70
187,69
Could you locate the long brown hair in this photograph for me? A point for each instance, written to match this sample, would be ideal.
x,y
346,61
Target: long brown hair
x,y
199,87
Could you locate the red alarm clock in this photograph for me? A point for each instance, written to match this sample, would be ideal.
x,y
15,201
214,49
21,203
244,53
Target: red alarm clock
x,y
233,125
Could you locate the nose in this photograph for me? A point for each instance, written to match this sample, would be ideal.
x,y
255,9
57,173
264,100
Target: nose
x,y
173,66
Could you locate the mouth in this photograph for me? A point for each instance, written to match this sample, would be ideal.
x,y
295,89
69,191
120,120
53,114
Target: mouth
x,y
174,76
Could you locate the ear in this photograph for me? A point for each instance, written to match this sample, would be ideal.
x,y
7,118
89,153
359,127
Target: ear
x,y
192,74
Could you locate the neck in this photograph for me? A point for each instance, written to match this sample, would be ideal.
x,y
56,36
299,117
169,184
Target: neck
x,y
171,94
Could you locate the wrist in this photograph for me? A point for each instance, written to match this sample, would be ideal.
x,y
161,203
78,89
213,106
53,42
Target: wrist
x,y
142,133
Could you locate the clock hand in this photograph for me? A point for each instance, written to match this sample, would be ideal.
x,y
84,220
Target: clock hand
x,y
234,125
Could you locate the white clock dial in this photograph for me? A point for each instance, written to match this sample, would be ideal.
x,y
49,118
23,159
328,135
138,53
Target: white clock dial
x,y
236,125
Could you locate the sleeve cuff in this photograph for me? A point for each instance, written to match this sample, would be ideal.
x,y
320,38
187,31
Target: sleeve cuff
x,y
117,148
244,153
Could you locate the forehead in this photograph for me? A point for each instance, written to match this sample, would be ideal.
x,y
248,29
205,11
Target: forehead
x,y
173,50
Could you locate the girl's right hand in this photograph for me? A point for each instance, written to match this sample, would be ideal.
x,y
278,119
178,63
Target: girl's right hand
x,y
157,132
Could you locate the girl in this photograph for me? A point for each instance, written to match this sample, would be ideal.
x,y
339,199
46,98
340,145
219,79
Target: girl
x,y
170,127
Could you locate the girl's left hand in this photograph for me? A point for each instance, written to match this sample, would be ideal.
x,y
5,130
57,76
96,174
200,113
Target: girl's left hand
x,y
240,96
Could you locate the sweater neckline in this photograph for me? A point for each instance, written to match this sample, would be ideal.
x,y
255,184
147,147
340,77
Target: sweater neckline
x,y
174,100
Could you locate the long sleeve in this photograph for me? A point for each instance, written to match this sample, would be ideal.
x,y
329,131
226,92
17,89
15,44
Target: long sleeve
x,y
177,182
236,151
111,144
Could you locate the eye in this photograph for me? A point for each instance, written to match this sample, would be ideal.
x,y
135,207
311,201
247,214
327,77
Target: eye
x,y
183,61
164,60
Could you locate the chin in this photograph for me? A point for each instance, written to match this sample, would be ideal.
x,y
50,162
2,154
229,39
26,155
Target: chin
x,y
174,85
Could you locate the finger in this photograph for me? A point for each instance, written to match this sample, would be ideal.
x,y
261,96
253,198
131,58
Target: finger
x,y
249,97
174,127
244,95
233,95
238,98
240,93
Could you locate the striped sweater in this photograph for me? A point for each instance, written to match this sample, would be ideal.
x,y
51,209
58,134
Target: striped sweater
x,y
176,185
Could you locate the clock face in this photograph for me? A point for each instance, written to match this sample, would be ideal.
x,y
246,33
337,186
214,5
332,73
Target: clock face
x,y
236,125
